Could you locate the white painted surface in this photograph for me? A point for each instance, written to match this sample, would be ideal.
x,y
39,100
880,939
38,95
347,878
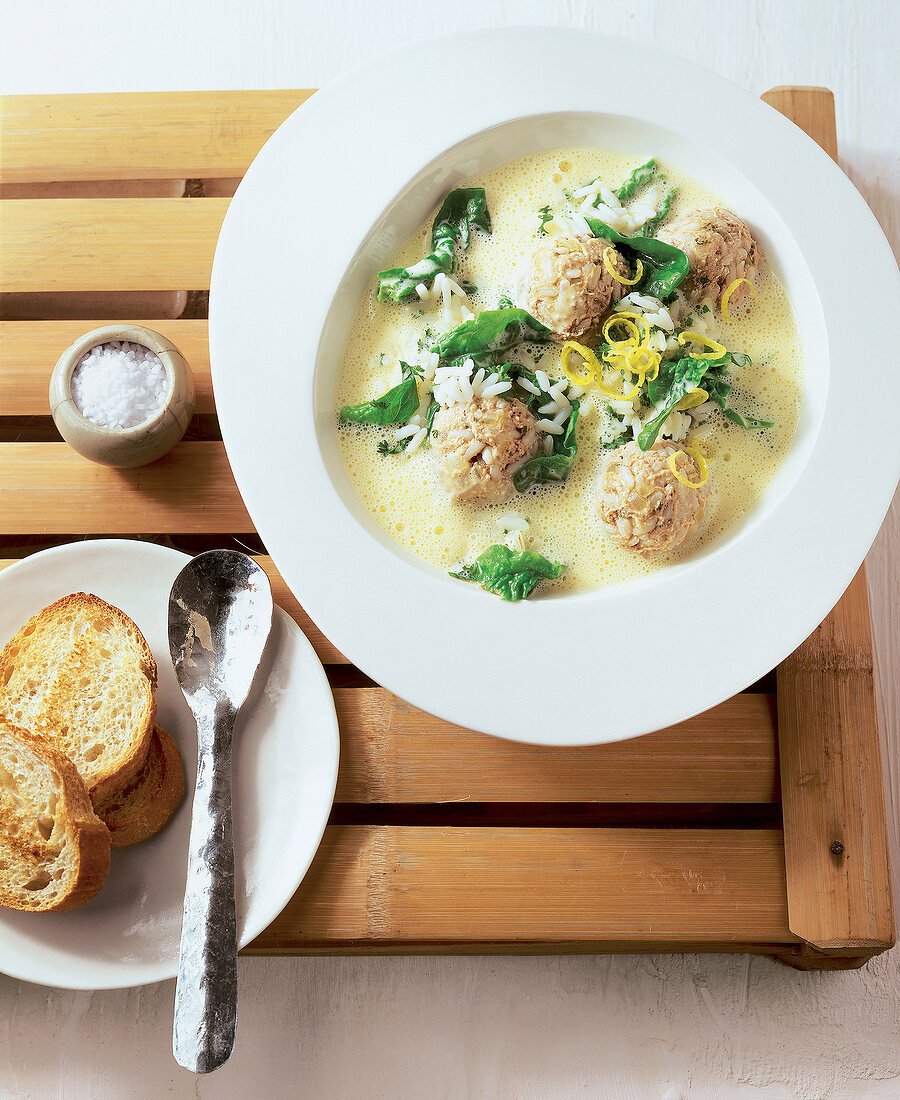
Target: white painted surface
x,y
679,1028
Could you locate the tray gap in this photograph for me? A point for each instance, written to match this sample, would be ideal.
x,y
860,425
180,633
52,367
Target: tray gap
x,y
551,815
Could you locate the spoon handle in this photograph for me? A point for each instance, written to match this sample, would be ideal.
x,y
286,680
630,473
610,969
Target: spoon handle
x,y
206,988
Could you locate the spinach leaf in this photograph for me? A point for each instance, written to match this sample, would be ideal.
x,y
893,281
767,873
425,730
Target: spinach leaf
x,y
665,266
463,210
717,367
641,176
394,407
398,284
739,358
750,422
636,180
512,574
718,389
676,378
430,414
554,468
491,333
716,386
658,387
398,446
685,375
504,302
649,228
508,371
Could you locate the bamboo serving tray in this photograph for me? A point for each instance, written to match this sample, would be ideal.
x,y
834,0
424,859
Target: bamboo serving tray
x,y
758,826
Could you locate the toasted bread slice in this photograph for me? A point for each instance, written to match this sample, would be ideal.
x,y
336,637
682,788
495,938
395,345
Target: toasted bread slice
x,y
54,851
81,675
142,808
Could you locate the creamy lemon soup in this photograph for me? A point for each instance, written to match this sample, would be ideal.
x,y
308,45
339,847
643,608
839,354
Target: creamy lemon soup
x,y
534,203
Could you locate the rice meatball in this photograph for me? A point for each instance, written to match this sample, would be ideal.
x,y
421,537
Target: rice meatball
x,y
569,287
479,445
642,504
720,249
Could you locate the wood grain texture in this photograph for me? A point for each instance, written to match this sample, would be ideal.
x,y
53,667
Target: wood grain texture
x,y
393,752
836,847
436,888
615,1027
327,653
29,351
108,244
835,825
158,135
812,109
520,889
48,489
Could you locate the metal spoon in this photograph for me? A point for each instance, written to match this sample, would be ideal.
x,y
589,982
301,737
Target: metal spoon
x,y
220,614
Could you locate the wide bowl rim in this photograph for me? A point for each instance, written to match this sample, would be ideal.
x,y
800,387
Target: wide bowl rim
x,y
353,605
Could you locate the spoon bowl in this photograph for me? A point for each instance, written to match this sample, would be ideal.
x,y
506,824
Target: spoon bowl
x,y
220,614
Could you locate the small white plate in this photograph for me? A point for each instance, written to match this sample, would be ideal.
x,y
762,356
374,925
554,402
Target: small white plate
x,y
285,769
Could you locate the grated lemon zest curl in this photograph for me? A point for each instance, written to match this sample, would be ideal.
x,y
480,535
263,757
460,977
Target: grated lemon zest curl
x,y
592,363
622,318
730,290
696,451
642,362
593,376
609,267
594,373
717,349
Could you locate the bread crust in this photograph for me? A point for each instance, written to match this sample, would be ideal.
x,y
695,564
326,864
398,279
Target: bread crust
x,y
51,623
140,810
87,838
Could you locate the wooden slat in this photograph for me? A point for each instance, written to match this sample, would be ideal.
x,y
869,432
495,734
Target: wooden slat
x,y
812,109
524,890
393,752
836,844
158,135
327,653
29,350
410,888
108,244
48,489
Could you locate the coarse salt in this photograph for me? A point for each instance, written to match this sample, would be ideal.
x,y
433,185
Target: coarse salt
x,y
119,385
